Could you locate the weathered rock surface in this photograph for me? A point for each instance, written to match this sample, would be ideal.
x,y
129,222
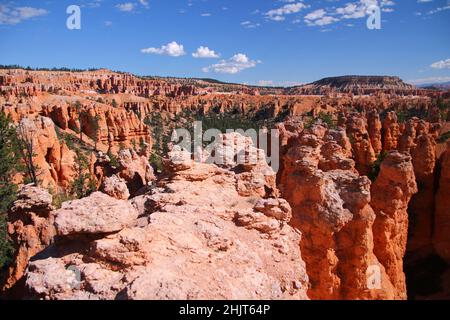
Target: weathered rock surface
x,y
30,226
96,214
197,237
54,162
391,194
330,203
115,187
134,169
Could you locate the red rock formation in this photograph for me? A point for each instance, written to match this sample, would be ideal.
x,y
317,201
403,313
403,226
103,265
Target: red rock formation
x,y
374,128
391,132
53,160
363,152
421,208
30,226
391,193
196,237
442,217
331,208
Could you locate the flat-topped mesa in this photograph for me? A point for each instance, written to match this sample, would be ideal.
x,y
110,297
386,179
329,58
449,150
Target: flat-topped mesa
x,y
360,85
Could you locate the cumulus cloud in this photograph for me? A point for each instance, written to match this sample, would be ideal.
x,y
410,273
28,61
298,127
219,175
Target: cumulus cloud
x,y
351,10
205,52
235,64
16,15
319,18
317,14
278,14
127,7
443,64
172,49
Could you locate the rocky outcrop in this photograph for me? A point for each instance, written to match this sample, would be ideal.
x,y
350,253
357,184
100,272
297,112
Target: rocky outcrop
x,y
330,203
374,128
96,214
134,169
363,152
54,162
422,205
30,227
391,131
115,187
391,193
197,237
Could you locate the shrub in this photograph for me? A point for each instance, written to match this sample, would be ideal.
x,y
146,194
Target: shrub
x,y
375,167
444,137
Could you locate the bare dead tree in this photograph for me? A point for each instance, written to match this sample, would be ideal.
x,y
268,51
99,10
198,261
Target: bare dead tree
x,y
26,138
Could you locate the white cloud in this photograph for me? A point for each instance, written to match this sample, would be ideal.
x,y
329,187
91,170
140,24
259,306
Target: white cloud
x,y
437,10
235,64
127,7
94,4
443,64
250,25
278,14
319,18
16,15
351,10
322,21
172,49
317,14
144,3
205,52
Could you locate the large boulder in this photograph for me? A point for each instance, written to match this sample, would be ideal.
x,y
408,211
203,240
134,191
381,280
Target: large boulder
x,y
96,214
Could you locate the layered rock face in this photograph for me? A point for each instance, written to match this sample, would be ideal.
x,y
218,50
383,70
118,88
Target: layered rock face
x,y
331,207
203,232
54,161
112,127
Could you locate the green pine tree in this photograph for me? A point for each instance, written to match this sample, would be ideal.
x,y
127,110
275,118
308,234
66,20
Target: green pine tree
x,y
9,164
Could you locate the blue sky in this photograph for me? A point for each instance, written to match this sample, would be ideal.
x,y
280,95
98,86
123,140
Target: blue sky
x,y
270,42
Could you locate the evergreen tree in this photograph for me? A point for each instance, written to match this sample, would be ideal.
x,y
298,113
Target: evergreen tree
x,y
83,184
9,164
